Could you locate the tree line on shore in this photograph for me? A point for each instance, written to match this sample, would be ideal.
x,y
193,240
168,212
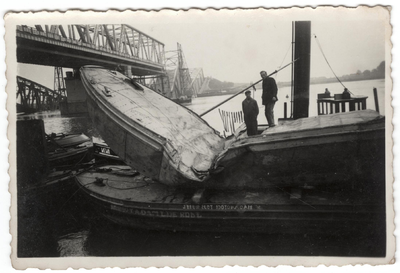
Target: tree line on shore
x,y
219,85
376,73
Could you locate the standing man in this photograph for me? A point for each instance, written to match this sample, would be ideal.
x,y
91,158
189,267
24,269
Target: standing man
x,y
250,112
269,97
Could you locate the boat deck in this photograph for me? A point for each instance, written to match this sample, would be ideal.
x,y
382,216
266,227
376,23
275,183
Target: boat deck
x,y
325,121
324,124
121,184
127,198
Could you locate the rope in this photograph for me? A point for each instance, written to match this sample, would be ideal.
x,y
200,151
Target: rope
x,y
320,48
276,75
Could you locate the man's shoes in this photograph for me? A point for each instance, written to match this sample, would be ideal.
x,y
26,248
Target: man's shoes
x,y
270,126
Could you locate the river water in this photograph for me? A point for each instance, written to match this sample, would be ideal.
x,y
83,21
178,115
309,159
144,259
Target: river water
x,y
61,223
200,105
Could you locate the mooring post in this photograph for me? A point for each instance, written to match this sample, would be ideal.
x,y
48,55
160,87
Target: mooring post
x,y
376,100
301,69
285,110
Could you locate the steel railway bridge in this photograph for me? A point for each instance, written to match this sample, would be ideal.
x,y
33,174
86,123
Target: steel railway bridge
x,y
32,96
121,47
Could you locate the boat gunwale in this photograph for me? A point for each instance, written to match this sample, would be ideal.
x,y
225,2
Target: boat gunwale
x,y
56,156
179,206
256,140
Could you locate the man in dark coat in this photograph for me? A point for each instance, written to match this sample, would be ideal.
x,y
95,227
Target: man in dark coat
x,y
269,97
250,112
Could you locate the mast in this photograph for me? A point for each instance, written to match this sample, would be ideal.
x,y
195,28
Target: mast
x,y
291,80
301,69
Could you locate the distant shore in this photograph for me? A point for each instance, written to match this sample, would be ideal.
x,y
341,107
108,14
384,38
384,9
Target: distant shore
x,y
212,93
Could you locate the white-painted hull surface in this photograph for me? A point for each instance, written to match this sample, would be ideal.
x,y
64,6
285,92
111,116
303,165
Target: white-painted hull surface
x,y
152,134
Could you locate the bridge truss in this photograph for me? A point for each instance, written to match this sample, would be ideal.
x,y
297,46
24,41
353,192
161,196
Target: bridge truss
x,y
179,81
74,46
32,97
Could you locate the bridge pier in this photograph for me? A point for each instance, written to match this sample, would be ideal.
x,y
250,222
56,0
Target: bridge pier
x,y
75,103
128,71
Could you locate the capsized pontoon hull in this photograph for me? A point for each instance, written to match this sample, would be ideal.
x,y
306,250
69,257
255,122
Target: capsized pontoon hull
x,y
151,133
338,148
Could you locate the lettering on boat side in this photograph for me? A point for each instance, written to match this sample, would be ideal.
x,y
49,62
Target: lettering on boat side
x,y
218,207
157,213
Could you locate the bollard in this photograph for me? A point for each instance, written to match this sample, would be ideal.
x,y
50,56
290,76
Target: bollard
x,y
376,100
285,110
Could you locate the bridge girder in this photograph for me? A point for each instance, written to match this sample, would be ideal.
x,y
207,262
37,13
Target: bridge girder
x,y
36,97
104,45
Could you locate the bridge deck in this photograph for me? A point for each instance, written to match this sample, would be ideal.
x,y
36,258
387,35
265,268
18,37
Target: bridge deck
x,y
142,53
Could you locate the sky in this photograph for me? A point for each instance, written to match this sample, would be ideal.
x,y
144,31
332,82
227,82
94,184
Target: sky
x,y
235,45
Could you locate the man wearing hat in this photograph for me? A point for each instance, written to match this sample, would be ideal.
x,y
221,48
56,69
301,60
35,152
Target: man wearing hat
x,y
269,97
250,112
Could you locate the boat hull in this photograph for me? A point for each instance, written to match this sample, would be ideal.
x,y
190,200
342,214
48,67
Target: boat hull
x,y
156,207
71,156
333,154
68,149
149,132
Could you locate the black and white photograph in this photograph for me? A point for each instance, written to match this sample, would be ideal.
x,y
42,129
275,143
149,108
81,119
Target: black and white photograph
x,y
263,136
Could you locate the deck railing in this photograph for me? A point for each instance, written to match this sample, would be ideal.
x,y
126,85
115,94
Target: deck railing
x,y
340,103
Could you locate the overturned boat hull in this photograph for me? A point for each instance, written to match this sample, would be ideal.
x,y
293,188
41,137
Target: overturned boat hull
x,y
149,132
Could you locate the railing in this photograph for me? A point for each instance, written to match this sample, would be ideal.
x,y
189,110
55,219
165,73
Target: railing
x,y
122,40
231,121
340,103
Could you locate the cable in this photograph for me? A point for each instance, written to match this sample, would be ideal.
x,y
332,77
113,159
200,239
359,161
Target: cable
x,y
320,48
284,58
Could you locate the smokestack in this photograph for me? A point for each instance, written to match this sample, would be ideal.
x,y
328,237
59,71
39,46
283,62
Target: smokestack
x,y
301,70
